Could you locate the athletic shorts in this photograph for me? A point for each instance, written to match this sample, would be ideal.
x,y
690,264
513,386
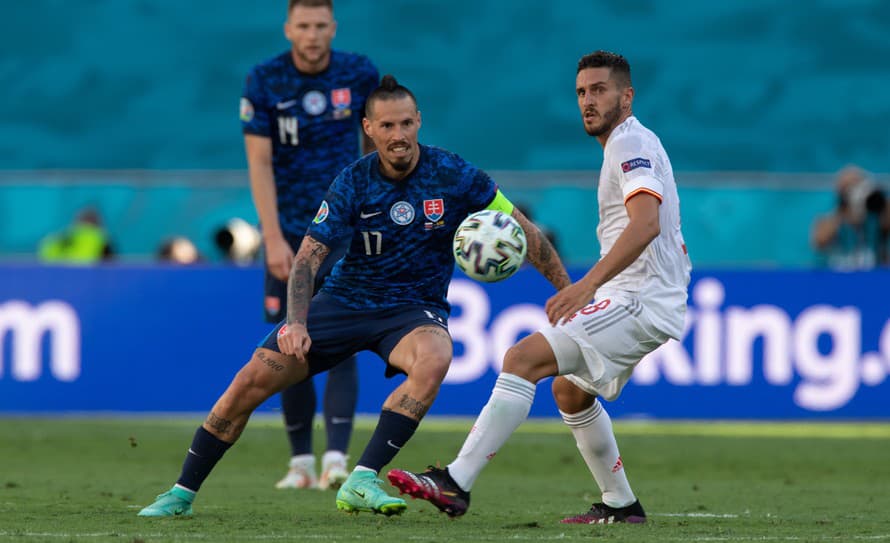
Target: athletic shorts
x,y
275,291
338,332
600,346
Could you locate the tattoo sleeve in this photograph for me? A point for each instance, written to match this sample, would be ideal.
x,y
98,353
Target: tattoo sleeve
x,y
542,254
301,283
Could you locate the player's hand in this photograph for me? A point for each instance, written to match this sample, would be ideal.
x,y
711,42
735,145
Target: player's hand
x,y
567,301
294,340
279,258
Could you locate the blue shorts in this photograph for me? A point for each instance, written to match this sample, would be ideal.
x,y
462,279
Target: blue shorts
x,y
275,290
339,332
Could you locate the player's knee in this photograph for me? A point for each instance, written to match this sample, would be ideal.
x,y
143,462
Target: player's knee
x,y
520,362
429,371
569,398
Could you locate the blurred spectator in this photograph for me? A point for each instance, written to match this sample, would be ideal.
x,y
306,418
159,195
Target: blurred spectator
x,y
84,242
854,235
179,250
239,241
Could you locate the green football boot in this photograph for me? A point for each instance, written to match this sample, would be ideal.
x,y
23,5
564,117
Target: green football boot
x,y
362,492
176,502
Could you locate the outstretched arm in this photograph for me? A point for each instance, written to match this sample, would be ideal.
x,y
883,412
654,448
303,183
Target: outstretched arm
x,y
643,227
299,292
541,253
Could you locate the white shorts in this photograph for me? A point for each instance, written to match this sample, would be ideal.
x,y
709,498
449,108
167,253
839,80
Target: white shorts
x,y
599,347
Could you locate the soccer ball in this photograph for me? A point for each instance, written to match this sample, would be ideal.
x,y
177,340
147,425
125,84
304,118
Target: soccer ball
x,y
489,246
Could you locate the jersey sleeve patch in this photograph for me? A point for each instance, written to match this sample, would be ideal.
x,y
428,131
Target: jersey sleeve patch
x,y
246,113
634,163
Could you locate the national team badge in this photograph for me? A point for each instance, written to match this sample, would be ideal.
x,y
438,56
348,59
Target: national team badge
x,y
322,214
341,98
314,102
434,209
401,213
273,304
246,110
282,330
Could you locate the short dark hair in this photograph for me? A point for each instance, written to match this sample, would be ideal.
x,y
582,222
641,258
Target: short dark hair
x,y
291,4
389,89
617,64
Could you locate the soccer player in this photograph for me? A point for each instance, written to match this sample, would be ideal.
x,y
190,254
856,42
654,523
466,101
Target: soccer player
x,y
301,116
630,302
398,207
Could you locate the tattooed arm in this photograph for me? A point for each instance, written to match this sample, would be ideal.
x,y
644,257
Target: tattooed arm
x,y
300,285
541,253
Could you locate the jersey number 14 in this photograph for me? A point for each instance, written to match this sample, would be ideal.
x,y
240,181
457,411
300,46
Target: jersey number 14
x,y
287,130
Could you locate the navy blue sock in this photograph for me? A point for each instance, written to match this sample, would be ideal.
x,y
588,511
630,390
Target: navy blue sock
x,y
392,432
340,397
205,452
298,406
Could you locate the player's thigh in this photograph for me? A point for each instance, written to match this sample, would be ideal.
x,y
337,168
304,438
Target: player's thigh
x,y
424,352
270,371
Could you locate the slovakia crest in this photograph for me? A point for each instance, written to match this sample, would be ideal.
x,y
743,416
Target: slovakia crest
x,y
434,209
402,213
341,98
322,214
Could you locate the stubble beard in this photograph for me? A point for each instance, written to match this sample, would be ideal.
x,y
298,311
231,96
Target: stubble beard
x,y
610,120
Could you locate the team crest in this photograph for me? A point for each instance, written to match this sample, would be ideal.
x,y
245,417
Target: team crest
x,y
434,209
402,213
246,110
322,214
282,330
314,102
341,98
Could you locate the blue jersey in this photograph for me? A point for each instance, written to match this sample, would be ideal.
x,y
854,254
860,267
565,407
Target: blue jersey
x,y
313,122
401,231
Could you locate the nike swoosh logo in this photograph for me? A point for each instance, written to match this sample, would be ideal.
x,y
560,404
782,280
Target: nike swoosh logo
x,y
364,215
285,105
391,444
359,494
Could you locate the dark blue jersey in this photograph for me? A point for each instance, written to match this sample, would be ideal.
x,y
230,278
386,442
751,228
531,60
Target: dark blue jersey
x,y
314,123
401,231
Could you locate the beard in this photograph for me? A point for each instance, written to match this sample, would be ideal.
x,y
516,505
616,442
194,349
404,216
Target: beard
x,y
609,120
401,165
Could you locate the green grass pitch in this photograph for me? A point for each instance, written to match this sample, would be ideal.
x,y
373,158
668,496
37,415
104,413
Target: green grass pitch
x,y
84,479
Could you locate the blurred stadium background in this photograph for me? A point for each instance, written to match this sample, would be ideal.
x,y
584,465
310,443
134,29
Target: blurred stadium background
x,y
130,107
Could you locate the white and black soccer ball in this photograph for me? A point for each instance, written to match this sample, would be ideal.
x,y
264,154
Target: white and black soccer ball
x,y
489,246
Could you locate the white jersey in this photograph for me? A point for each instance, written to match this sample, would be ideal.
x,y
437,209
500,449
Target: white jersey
x,y
634,161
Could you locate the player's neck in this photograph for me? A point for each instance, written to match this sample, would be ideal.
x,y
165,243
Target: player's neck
x,y
310,68
605,137
398,175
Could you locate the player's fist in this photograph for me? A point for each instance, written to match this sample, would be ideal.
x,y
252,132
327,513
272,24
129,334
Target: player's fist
x,y
279,258
294,340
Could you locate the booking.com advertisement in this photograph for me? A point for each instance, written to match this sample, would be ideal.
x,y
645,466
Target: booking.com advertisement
x,y
757,344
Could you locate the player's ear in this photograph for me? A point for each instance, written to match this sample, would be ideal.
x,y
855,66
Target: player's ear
x,y
334,27
627,97
419,120
366,127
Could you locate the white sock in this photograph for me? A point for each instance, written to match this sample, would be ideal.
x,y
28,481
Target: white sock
x,y
592,429
508,406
